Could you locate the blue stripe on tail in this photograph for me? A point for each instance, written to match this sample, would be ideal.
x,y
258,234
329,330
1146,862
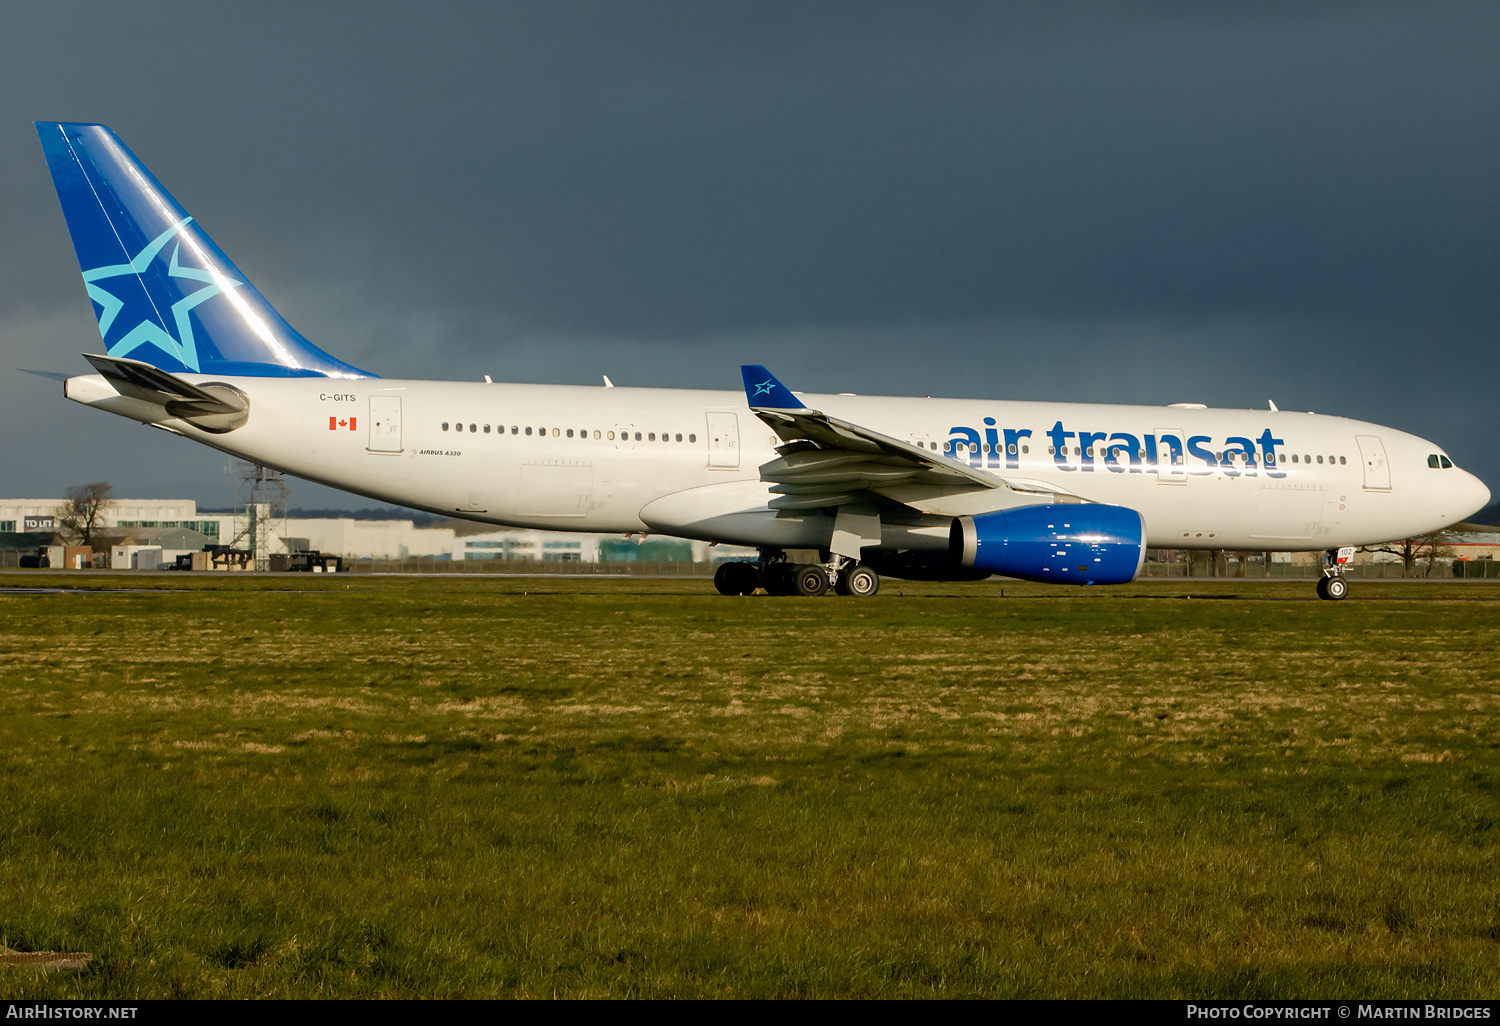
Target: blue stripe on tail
x,y
163,292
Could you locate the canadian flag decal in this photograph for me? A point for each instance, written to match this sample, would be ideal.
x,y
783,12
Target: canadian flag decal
x,y
334,423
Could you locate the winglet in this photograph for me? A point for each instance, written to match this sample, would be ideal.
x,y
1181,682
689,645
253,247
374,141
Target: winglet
x,y
763,391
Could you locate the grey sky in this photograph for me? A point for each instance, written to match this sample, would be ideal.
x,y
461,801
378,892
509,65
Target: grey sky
x,y
1102,202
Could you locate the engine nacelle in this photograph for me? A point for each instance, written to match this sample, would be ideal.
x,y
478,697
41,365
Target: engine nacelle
x,y
1075,543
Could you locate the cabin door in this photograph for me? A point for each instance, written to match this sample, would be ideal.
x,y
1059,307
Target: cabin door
x,y
1377,470
385,423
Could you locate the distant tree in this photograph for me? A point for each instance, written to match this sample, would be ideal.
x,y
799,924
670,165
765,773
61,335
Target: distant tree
x,y
1425,549
80,519
1435,547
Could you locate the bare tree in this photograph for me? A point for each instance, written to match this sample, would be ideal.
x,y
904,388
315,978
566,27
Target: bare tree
x,y
81,518
1424,548
1435,547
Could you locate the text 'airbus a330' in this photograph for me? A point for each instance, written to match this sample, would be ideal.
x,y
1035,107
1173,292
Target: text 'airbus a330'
x,y
915,488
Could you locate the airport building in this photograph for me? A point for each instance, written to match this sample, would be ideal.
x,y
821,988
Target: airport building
x,y
149,533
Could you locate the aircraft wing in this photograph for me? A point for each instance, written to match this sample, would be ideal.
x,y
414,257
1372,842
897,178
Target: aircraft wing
x,y
827,461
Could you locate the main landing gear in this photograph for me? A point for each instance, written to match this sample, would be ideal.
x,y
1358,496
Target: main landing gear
x,y
779,577
1332,585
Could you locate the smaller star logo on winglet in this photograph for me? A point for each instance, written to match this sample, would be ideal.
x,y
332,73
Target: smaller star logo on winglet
x,y
764,388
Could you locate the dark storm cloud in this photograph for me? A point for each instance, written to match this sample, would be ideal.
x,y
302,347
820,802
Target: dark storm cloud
x,y
1106,202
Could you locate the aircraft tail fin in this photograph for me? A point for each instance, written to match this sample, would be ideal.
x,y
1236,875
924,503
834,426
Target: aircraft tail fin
x,y
164,293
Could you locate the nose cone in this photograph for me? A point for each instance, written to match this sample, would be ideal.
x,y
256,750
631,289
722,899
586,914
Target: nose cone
x,y
1472,496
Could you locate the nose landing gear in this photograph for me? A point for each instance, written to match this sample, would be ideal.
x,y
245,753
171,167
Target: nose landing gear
x,y
1333,586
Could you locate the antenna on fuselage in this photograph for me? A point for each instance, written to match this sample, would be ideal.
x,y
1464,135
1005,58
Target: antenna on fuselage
x,y
1273,405
607,383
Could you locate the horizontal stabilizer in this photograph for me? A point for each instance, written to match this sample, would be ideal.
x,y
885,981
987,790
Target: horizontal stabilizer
x,y
214,407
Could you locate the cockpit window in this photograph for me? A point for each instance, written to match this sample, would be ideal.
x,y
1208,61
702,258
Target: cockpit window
x,y
1446,462
1432,461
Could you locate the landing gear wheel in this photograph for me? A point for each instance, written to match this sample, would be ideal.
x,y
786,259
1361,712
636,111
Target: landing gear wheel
x,y
724,580
861,581
747,577
779,579
810,580
1333,588
736,579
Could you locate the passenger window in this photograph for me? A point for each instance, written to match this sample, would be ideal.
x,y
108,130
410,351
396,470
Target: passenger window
x,y
445,428
528,431
554,432
570,432
1294,457
473,428
637,436
1343,460
596,434
1320,459
694,438
679,438
611,436
486,429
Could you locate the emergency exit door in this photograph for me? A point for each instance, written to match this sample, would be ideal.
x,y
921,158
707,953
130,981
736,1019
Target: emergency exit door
x,y
723,440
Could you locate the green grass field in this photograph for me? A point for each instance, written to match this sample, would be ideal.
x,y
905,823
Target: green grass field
x,y
372,787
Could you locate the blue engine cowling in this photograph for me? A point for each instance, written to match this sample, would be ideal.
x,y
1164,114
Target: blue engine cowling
x,y
1076,543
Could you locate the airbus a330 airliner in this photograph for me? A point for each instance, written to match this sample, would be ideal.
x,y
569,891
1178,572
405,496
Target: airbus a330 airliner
x,y
916,488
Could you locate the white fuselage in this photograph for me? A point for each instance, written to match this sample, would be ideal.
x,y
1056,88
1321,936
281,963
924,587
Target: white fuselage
x,y
687,462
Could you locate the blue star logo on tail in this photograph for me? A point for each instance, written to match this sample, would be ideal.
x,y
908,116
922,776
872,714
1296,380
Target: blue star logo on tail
x,y
764,388
143,323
